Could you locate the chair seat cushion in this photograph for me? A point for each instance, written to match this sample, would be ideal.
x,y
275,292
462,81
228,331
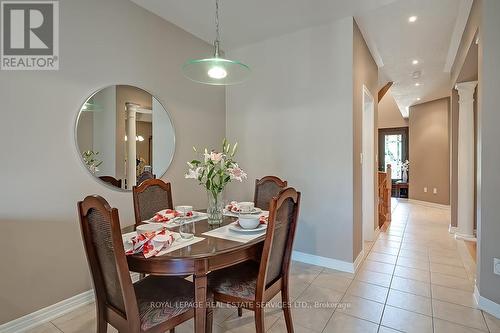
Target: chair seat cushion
x,y
238,281
162,298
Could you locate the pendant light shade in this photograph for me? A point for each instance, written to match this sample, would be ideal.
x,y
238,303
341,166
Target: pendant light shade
x,y
216,70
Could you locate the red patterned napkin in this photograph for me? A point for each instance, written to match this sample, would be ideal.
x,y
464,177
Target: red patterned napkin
x,y
151,243
167,215
233,207
263,219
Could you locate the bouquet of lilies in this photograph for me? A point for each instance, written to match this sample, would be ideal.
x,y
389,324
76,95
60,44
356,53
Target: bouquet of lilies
x,y
216,169
405,166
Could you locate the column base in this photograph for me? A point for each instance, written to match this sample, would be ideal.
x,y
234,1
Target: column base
x,y
452,229
470,238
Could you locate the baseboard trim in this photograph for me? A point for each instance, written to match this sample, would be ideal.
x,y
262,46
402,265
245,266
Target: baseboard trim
x,y
429,204
340,265
51,312
470,238
486,304
452,229
48,313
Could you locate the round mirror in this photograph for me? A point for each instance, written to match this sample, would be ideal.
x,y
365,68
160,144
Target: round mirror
x,y
124,136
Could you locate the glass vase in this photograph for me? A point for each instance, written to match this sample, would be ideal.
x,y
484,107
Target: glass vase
x,y
405,176
215,208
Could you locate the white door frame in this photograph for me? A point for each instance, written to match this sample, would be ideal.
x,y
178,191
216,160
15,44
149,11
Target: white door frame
x,y
368,166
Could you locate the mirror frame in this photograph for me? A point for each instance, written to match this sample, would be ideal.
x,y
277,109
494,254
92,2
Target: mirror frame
x,y
75,134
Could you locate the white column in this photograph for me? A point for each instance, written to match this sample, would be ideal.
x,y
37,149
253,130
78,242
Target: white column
x,y
131,133
465,209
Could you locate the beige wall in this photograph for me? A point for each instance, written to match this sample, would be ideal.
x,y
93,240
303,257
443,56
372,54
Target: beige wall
x,y
389,115
99,47
430,151
488,152
365,72
298,124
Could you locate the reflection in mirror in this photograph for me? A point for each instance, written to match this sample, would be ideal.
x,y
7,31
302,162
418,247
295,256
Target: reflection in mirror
x,y
121,121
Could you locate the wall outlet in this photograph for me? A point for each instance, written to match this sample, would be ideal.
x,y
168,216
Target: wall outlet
x,y
435,190
425,189
496,266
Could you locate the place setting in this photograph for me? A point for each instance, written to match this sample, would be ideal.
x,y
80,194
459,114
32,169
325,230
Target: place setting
x,y
251,222
171,218
154,238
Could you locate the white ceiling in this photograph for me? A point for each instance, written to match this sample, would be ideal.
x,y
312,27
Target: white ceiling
x,y
394,43
244,22
432,40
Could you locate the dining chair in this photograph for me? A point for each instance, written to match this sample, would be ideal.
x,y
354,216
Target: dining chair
x,y
112,180
252,284
265,189
150,197
154,304
145,175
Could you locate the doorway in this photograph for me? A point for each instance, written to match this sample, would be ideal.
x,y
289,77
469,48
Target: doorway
x,y
368,166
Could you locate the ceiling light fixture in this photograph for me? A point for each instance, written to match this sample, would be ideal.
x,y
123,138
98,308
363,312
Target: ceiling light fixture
x,y
417,84
216,70
412,19
415,62
418,98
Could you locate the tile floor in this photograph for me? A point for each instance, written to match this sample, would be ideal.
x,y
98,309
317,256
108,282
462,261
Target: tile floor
x,y
415,278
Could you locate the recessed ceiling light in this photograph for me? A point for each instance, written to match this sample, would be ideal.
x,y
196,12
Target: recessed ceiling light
x,y
417,84
412,19
418,98
415,62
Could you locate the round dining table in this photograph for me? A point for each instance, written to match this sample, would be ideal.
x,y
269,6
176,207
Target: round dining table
x,y
198,260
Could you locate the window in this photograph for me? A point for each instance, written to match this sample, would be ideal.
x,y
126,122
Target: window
x,y
393,149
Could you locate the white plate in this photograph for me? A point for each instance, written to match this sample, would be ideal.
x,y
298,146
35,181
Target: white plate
x,y
253,211
127,242
128,238
236,227
195,214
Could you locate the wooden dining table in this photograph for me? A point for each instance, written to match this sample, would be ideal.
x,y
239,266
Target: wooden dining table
x,y
198,260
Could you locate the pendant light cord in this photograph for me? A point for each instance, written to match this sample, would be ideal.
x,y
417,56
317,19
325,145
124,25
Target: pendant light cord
x,y
217,32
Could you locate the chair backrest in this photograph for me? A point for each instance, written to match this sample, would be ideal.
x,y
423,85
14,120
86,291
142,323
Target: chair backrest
x,y
150,197
145,176
267,188
112,180
282,224
100,227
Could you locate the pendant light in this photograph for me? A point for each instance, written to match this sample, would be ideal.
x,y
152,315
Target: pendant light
x,y
216,71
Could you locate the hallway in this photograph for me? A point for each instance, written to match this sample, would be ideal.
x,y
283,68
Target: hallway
x,y
415,278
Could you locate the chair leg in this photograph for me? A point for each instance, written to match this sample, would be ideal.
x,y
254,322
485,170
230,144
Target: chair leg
x,y
240,311
102,325
259,320
287,311
210,320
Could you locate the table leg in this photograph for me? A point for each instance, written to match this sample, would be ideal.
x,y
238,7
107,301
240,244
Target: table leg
x,y
200,295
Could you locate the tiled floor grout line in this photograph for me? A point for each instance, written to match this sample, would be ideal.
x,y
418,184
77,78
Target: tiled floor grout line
x,y
432,298
350,283
392,276
57,328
